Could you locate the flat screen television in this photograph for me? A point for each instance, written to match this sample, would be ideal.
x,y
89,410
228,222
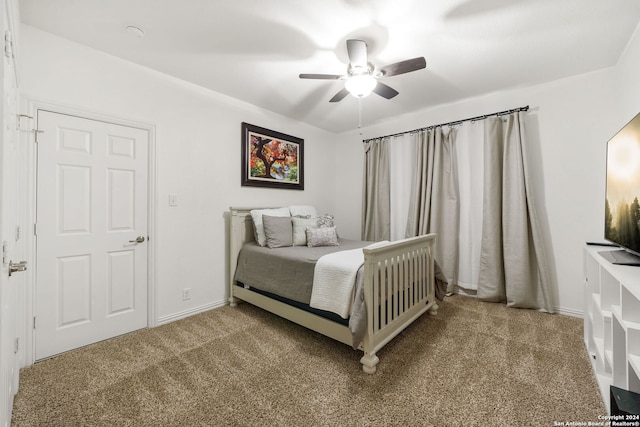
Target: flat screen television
x,y
622,195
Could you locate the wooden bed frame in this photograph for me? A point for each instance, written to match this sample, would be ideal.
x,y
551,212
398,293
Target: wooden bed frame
x,y
395,272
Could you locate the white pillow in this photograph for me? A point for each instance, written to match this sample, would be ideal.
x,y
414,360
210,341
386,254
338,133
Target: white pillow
x,y
258,227
303,211
300,226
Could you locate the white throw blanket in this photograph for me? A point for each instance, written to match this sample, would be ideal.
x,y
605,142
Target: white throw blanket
x,y
334,278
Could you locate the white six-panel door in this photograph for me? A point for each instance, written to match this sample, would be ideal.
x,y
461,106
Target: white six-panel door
x,y
9,235
91,215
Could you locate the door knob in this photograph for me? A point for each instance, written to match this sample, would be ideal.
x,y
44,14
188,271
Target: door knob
x,y
17,266
139,239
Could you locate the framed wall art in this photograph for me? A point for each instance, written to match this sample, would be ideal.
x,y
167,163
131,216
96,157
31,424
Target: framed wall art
x,y
271,159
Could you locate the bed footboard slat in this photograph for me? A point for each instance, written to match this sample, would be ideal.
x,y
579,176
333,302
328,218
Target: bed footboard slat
x,y
399,287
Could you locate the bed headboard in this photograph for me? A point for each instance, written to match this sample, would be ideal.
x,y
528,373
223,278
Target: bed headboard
x,y
240,232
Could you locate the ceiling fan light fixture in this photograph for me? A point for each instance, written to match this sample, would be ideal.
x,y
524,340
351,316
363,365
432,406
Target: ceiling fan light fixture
x,y
361,77
360,85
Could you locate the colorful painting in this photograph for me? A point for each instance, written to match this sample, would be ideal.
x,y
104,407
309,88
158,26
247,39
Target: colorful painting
x,y
271,159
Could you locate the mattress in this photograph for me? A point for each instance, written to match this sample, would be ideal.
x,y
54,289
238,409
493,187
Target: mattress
x,y
287,272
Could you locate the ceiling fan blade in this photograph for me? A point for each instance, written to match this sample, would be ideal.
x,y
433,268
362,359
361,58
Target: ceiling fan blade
x,y
405,66
357,50
339,96
385,91
321,76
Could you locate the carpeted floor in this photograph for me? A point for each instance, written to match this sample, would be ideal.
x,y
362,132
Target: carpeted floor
x,y
474,364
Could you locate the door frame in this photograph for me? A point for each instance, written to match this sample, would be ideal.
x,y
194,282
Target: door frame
x,y
29,181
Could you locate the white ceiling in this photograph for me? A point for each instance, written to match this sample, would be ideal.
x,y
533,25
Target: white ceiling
x,y
253,50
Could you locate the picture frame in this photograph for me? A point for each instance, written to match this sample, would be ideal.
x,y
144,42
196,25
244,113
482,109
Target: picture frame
x,y
271,159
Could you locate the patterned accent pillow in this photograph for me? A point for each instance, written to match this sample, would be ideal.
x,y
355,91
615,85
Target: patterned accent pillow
x,y
322,236
326,220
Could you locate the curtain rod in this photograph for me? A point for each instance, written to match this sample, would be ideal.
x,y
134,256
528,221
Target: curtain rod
x,y
457,122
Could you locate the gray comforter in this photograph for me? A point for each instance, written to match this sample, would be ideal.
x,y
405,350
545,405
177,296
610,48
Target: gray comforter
x,y
287,271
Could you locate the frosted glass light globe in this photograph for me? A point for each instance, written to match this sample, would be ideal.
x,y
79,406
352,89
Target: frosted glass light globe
x,y
360,85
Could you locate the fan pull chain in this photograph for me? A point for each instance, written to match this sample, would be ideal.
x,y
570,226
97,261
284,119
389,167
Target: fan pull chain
x,y
360,115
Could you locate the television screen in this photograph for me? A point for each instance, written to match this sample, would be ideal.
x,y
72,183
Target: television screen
x,y
622,205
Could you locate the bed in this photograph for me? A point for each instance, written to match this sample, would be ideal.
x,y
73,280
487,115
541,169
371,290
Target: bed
x,y
396,285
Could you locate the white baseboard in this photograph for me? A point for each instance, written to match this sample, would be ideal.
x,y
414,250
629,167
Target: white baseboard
x,y
558,310
190,312
569,312
217,304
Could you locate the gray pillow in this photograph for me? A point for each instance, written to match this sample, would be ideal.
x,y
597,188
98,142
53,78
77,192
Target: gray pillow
x,y
258,228
322,236
278,231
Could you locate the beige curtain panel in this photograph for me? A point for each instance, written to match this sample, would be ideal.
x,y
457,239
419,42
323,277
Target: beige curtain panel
x,y
376,200
513,264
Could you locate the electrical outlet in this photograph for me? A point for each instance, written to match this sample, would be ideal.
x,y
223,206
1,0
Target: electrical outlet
x,y
186,294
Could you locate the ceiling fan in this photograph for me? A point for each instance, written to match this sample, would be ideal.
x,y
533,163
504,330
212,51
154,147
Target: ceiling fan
x,y
362,76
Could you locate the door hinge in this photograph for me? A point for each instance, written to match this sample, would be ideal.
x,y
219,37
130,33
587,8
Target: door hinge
x,y
17,346
23,125
8,44
17,233
5,247
35,228
34,322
